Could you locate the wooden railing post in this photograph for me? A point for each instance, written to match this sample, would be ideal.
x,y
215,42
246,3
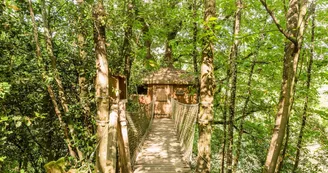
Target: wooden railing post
x,y
112,138
123,141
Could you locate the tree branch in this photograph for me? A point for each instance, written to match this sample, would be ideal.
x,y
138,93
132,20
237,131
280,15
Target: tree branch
x,y
275,20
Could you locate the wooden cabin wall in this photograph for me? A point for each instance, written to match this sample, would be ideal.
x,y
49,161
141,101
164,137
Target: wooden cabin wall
x,y
182,94
162,94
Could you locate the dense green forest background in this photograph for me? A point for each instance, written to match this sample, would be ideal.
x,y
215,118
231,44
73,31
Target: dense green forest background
x,y
59,68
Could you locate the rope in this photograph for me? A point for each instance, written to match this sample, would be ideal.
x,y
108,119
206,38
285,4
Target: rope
x,y
102,122
185,116
139,124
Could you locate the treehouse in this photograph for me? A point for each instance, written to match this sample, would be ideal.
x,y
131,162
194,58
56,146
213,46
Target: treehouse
x,y
167,83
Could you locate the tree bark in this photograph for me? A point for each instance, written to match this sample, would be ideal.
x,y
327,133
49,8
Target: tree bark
x,y
194,51
102,90
233,84
281,158
49,88
195,31
126,43
83,84
306,102
224,143
207,86
295,29
54,69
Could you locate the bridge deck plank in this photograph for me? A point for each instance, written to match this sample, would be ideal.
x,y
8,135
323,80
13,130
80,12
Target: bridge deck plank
x,y
161,151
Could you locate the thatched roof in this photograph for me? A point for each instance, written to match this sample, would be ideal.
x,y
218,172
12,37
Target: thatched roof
x,y
169,76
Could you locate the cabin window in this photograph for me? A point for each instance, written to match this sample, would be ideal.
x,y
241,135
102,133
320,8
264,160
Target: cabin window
x,y
142,90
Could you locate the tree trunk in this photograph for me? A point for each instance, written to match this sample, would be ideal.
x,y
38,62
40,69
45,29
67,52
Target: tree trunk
x,y
147,39
127,45
168,57
49,46
244,113
194,51
308,83
49,88
295,26
223,154
207,87
83,84
281,158
54,70
233,84
101,87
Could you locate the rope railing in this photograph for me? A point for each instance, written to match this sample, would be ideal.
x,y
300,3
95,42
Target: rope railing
x,y
139,123
184,116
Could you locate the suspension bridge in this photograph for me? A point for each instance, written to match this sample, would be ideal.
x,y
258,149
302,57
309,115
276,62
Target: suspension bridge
x,y
158,145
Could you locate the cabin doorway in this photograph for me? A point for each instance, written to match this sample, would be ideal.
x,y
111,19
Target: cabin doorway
x,y
162,101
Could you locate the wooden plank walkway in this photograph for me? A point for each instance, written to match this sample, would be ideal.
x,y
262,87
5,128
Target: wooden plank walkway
x,y
161,151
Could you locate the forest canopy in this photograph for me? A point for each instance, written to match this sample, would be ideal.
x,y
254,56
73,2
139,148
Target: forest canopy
x,y
261,68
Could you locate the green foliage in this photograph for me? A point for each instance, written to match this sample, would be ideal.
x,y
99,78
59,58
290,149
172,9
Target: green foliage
x,y
4,89
56,166
31,137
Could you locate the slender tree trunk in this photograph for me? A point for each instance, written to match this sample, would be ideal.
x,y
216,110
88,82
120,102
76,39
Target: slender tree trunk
x,y
195,31
49,88
225,107
55,72
284,150
168,57
147,38
102,90
147,41
194,51
83,84
207,87
233,84
281,157
244,112
306,102
295,29
145,32
126,43
49,46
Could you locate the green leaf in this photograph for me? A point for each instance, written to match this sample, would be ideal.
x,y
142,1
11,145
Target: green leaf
x,y
3,119
217,27
2,158
18,123
212,19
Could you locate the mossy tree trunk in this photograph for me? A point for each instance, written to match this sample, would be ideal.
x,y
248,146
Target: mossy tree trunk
x,y
207,86
233,84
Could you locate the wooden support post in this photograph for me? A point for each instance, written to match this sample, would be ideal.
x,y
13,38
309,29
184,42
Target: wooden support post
x,y
113,120
112,138
123,141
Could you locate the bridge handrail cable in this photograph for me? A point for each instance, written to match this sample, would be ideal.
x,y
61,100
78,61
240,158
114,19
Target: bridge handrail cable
x,y
185,116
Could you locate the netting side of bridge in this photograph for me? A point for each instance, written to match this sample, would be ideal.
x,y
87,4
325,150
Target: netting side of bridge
x,y
185,116
139,123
